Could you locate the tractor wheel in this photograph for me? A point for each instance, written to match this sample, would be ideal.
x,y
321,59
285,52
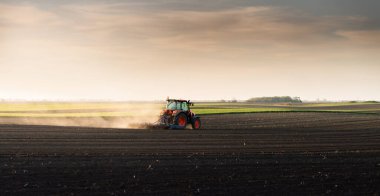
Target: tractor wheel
x,y
181,120
196,123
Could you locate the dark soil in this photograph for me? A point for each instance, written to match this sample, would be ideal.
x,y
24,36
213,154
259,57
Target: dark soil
x,y
240,154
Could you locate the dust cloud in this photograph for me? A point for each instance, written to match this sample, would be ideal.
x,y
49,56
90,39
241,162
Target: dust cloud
x,y
127,116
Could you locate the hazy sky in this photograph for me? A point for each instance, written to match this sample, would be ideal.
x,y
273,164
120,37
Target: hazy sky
x,y
199,49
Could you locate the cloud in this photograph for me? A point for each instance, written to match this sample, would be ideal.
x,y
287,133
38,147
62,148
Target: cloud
x,y
241,28
25,15
211,30
366,37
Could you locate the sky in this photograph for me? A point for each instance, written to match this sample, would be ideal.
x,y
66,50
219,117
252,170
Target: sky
x,y
199,49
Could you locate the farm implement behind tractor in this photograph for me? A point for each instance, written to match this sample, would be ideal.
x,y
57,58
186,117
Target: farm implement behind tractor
x,y
177,115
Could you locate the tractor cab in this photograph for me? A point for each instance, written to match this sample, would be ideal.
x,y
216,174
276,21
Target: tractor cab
x,y
177,114
182,105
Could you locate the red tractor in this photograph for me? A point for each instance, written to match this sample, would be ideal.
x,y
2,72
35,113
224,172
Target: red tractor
x,y
177,115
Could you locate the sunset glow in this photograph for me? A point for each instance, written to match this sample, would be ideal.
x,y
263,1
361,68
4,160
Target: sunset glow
x,y
205,50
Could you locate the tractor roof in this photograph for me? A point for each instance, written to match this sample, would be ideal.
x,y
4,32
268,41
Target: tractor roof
x,y
178,100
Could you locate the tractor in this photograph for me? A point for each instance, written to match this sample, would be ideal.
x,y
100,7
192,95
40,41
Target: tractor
x,y
177,115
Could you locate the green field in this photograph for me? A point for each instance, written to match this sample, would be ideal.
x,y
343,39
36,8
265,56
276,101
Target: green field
x,y
120,109
336,107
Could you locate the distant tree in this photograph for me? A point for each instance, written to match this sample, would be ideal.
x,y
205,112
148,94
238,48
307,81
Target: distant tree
x,y
297,99
371,102
276,99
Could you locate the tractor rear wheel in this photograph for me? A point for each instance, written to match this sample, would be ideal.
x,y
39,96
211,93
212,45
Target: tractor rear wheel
x,y
196,124
181,120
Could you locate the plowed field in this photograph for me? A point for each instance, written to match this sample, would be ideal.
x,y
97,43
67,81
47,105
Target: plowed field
x,y
256,153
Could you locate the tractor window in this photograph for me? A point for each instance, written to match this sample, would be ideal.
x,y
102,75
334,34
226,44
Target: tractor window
x,y
184,106
172,105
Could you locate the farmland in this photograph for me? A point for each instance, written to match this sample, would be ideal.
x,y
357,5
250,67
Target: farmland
x,y
132,114
125,109
330,148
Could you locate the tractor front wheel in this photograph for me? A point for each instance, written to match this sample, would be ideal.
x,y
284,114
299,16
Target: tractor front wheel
x,y
181,121
196,123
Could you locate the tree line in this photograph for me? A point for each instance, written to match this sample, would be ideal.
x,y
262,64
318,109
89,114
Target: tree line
x,y
276,99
